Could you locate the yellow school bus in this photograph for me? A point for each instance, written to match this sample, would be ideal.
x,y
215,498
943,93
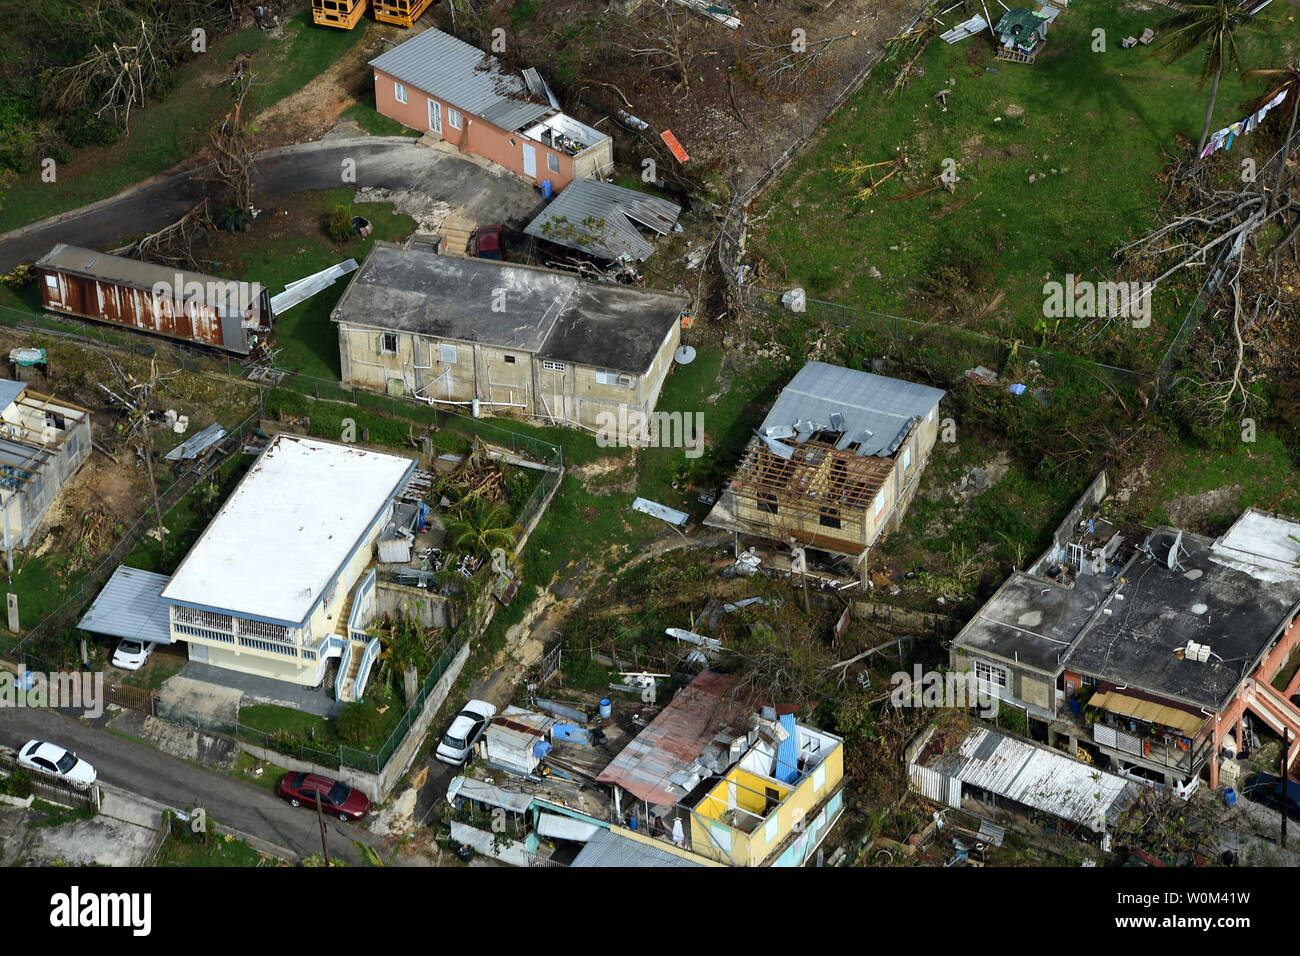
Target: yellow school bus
x,y
343,14
402,12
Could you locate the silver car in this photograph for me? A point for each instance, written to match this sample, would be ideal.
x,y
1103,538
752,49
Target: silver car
x,y
465,730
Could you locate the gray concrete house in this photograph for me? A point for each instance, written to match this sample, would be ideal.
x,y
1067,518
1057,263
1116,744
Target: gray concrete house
x,y
507,339
43,441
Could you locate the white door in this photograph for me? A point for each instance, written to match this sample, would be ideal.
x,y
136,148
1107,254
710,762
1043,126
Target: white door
x,y
435,116
530,161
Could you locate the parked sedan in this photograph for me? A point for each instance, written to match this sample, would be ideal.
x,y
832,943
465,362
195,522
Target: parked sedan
x,y
336,797
132,654
464,731
54,760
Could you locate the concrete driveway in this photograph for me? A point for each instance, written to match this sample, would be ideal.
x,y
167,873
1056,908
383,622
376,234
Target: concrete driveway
x,y
486,192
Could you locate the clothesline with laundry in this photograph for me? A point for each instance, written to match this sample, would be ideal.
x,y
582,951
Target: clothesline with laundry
x,y
1224,137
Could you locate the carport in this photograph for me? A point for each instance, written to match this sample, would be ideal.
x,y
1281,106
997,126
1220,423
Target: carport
x,y
130,606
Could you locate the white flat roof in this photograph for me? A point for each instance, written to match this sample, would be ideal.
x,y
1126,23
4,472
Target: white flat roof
x,y
1263,545
287,529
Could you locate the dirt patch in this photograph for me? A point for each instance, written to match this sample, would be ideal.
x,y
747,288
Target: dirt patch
x,y
1201,511
1013,111
312,110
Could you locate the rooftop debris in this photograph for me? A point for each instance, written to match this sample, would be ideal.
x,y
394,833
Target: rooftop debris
x,y
663,512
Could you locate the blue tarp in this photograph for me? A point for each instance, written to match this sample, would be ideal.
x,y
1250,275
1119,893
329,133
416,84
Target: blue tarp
x,y
570,732
541,749
787,754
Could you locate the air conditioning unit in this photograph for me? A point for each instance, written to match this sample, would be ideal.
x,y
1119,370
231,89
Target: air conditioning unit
x,y
625,381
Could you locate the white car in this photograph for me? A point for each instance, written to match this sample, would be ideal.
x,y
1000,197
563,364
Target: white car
x,y
54,760
131,654
468,726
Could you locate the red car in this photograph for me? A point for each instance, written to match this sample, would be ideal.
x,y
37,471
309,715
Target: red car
x,y
487,242
336,797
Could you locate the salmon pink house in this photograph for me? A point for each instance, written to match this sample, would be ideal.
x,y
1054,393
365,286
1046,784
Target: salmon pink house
x,y
454,91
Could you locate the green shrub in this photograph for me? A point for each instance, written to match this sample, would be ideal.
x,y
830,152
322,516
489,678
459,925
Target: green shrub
x,y
360,722
17,784
340,224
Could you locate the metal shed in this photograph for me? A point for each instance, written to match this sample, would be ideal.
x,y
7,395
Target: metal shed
x,y
602,218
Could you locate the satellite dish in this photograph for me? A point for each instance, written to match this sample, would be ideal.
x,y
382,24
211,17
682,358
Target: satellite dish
x,y
684,355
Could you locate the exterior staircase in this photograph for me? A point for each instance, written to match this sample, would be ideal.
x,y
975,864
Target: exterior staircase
x,y
341,622
348,690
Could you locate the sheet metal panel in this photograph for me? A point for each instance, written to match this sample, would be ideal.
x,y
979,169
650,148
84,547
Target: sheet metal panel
x,y
130,606
610,849
460,75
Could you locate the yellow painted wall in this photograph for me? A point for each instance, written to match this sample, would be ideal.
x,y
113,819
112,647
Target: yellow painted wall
x,y
754,849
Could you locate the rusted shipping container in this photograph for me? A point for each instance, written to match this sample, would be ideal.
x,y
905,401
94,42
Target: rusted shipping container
x,y
222,313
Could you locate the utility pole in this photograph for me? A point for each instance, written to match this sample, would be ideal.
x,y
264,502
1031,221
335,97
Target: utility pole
x,y
1282,783
320,818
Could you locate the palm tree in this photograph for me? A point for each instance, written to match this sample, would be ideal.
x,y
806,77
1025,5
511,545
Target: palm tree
x,y
1211,25
478,527
1286,79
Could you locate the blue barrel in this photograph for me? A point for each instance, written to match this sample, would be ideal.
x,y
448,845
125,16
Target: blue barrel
x,y
606,708
1230,796
1074,705
547,189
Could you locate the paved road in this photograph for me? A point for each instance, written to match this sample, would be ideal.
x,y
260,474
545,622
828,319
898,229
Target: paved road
x,y
175,783
383,162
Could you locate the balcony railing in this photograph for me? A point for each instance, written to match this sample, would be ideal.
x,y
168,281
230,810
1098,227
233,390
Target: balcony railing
x,y
363,672
1153,750
363,607
345,664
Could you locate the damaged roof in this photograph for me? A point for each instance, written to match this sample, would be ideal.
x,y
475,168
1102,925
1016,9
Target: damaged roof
x,y
602,219
553,314
1038,777
676,739
462,76
873,412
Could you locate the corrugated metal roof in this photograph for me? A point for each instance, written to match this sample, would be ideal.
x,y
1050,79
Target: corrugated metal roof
x,y
10,391
611,849
885,407
130,606
600,218
493,796
675,739
1039,778
463,76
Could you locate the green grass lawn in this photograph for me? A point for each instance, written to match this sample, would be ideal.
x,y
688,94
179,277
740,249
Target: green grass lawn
x,y
191,849
307,338
186,521
165,132
1094,129
375,122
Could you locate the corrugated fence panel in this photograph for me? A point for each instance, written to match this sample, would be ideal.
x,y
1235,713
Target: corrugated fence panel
x,y
936,786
